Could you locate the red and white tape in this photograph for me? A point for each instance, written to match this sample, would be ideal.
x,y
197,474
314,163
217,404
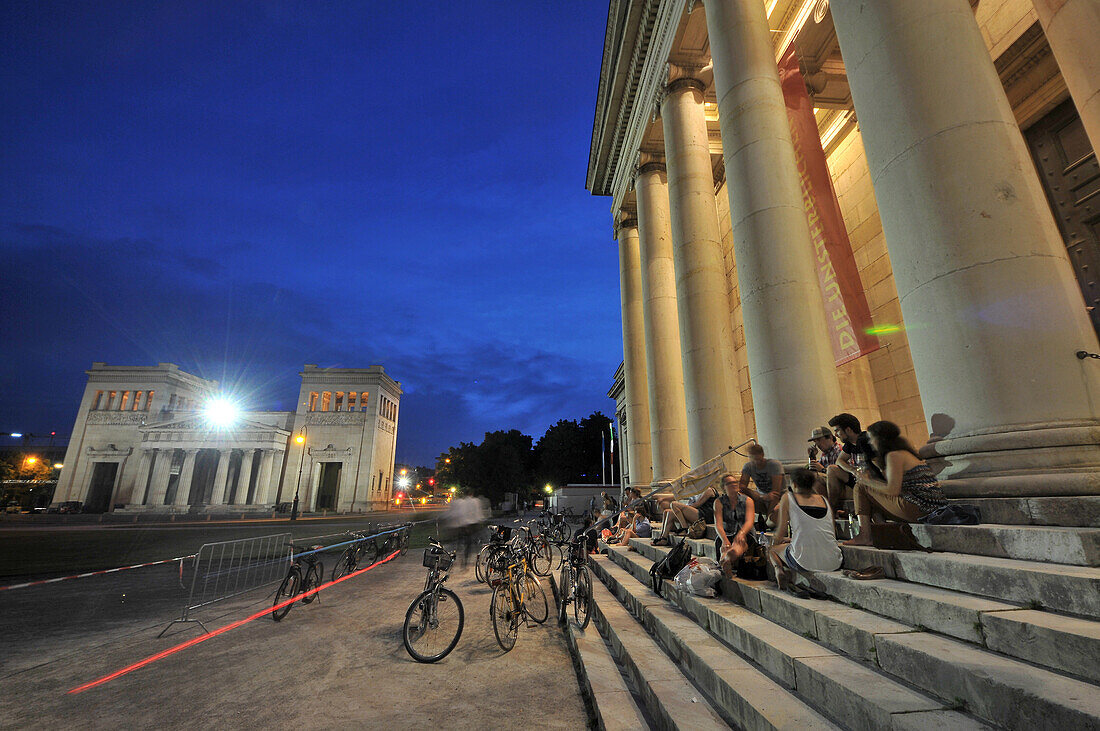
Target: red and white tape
x,y
181,559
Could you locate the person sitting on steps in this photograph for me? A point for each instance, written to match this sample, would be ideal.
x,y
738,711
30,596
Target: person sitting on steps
x,y
806,515
733,510
855,452
910,490
762,480
683,514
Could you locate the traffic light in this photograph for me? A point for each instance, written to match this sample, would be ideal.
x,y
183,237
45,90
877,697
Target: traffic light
x,y
431,481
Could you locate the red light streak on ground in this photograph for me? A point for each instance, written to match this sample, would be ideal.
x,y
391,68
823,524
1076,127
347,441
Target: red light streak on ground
x,y
221,630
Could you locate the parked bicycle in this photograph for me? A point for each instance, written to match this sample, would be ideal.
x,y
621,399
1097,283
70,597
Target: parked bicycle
x,y
306,573
362,551
397,540
575,584
518,597
434,620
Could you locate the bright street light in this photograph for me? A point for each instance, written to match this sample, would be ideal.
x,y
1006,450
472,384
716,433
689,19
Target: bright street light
x,y
57,465
16,434
548,489
300,439
221,412
403,482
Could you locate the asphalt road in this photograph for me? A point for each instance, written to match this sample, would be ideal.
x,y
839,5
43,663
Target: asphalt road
x,y
336,663
29,551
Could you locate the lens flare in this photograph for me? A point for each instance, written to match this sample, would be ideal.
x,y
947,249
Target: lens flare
x,y
883,329
221,412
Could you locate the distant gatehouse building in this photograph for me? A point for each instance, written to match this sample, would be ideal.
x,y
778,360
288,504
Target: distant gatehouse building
x,y
143,442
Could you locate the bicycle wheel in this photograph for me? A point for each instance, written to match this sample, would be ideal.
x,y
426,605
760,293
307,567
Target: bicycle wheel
x,y
369,553
538,609
404,541
286,590
345,565
505,617
565,587
542,560
433,625
480,562
314,578
582,598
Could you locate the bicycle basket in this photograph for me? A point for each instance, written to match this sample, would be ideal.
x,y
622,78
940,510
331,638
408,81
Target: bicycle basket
x,y
434,558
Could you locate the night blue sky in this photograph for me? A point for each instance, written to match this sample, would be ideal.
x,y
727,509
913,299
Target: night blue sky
x,y
245,187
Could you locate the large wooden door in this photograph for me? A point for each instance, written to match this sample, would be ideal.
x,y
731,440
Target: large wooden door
x,y
1071,176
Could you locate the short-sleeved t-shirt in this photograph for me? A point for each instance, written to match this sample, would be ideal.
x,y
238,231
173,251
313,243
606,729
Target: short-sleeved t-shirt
x,y
863,446
762,477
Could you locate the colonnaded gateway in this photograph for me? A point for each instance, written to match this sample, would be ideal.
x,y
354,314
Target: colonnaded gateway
x,y
886,207
142,442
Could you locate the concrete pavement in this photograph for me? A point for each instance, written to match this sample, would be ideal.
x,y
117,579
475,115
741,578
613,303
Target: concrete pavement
x,y
335,663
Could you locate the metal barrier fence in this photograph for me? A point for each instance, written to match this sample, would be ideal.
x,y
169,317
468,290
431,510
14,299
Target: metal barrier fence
x,y
230,568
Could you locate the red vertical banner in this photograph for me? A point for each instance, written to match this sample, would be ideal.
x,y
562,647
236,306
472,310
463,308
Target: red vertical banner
x,y
846,311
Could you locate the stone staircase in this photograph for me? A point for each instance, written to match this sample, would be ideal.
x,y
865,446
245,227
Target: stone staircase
x,y
996,628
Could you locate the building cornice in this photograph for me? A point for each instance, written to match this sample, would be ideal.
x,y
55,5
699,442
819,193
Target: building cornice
x,y
654,76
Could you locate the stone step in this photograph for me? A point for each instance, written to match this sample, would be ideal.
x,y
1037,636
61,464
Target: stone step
x,y
745,695
1076,546
852,694
1066,589
601,681
670,698
1073,546
989,684
1066,644
1081,511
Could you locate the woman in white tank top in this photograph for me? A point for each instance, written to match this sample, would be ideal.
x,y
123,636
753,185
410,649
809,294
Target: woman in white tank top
x,y
812,544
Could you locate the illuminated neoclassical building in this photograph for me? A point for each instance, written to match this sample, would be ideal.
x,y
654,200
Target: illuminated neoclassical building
x,y
143,442
888,208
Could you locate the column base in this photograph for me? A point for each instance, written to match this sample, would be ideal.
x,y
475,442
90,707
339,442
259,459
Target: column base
x,y
1038,459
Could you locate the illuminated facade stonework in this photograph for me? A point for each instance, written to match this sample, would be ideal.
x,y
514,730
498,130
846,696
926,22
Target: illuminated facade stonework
x,y
141,442
819,210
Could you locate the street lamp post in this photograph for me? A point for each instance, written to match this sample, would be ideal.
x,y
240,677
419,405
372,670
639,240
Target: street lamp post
x,y
301,439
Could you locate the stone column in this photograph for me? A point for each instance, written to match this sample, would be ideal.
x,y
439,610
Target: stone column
x,y
183,488
992,309
141,478
1072,28
711,391
263,480
240,497
158,488
309,499
664,366
634,359
221,477
790,357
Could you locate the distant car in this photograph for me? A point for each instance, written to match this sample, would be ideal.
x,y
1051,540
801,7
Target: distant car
x,y
70,506
40,510
13,507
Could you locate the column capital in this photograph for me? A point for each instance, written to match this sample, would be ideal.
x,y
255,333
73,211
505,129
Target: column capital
x,y
626,221
654,166
684,82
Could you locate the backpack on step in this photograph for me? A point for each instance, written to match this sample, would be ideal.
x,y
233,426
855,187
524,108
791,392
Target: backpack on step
x,y
667,568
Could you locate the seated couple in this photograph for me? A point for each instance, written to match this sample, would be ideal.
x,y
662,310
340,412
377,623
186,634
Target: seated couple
x,y
731,511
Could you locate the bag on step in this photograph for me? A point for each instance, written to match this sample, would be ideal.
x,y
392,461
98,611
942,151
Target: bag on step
x,y
667,568
698,529
954,514
699,577
753,565
895,537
